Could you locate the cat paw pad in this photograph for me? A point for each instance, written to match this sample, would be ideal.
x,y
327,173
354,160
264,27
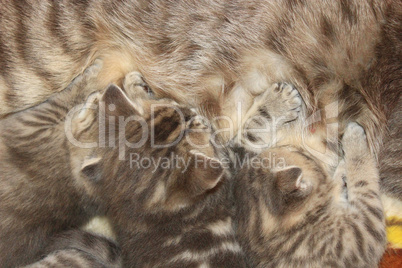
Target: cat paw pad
x,y
289,95
282,102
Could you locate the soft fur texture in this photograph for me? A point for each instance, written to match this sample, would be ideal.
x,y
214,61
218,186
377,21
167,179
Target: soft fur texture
x,y
173,216
39,193
294,209
80,249
297,215
210,54
214,55
391,160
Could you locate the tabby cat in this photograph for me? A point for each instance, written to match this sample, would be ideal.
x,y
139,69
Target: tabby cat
x,y
39,196
204,227
211,54
292,213
169,206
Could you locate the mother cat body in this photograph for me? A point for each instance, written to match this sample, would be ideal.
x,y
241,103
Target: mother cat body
x,y
223,51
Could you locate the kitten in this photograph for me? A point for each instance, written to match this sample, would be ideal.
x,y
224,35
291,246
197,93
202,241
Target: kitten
x,y
280,105
39,196
80,249
169,206
293,193
292,213
211,55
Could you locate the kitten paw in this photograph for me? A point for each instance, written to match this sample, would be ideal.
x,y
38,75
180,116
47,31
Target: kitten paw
x,y
354,141
133,79
86,83
281,102
135,86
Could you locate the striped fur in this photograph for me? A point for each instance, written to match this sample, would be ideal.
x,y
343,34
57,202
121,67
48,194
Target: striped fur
x,y
80,249
38,194
169,216
215,54
210,54
296,215
391,162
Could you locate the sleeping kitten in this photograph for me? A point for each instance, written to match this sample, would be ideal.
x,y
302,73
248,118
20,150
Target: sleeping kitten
x,y
291,213
171,237
39,196
280,104
169,206
292,194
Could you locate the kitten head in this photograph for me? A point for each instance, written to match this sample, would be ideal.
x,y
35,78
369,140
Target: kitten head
x,y
291,185
150,154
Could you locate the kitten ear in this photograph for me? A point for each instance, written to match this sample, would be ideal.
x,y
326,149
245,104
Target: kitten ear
x,y
118,104
207,172
288,191
289,180
90,168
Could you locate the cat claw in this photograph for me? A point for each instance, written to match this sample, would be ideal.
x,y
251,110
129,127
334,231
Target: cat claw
x,y
290,95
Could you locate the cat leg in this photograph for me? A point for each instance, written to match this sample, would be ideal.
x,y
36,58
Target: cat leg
x,y
277,106
365,207
361,167
340,182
